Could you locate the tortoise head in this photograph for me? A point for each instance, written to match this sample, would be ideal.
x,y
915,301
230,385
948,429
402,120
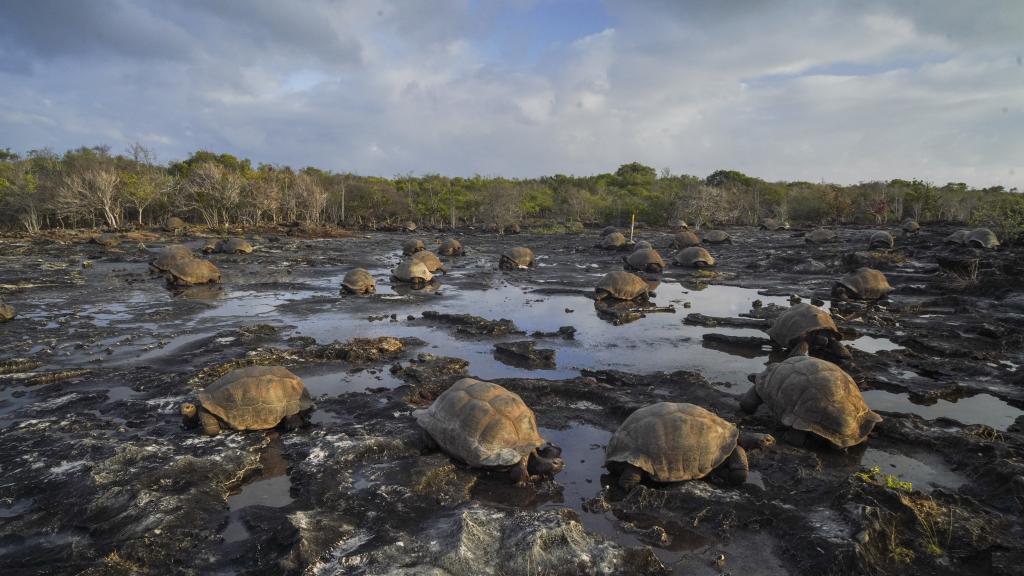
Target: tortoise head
x,y
189,414
545,461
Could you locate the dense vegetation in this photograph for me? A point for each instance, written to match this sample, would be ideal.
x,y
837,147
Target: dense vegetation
x,y
91,187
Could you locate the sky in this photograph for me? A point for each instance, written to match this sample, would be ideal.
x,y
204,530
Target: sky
x,y
818,90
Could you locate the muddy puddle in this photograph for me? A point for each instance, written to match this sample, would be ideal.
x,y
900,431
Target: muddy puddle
x,y
270,487
978,409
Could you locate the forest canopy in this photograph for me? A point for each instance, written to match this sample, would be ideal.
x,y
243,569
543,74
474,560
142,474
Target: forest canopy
x,y
92,187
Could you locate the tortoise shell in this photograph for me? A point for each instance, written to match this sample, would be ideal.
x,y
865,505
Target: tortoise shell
x,y
450,247
815,395
235,246
800,320
519,256
170,254
192,271
410,247
107,239
256,397
608,230
613,240
821,236
673,441
881,239
692,256
173,224
210,246
643,245
359,281
684,239
717,236
481,424
430,260
645,259
7,312
678,224
867,283
412,270
772,224
910,226
621,286
982,238
958,237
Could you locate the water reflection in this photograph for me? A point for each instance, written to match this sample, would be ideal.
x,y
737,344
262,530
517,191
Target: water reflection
x,y
978,409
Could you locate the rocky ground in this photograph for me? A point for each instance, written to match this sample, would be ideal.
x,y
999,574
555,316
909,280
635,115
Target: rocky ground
x,y
98,475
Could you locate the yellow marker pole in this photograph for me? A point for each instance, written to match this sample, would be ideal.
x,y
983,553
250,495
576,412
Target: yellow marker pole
x,y
632,224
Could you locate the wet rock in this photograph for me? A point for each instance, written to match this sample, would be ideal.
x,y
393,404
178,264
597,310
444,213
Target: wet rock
x,y
428,376
477,541
524,354
563,332
748,341
469,325
698,319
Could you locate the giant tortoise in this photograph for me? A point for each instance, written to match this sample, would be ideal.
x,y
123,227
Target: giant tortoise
x,y
716,237
644,260
621,285
863,284
359,281
412,272
807,394
487,426
410,247
684,239
173,224
430,260
693,257
613,241
252,398
806,327
6,311
518,258
880,239
821,236
910,226
672,442
234,246
192,271
450,247
982,238
773,224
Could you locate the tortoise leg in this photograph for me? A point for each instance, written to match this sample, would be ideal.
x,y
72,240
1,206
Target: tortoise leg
x,y
795,437
750,401
293,422
630,477
519,473
802,348
736,468
209,422
428,441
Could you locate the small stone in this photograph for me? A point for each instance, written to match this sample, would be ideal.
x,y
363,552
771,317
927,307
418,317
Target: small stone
x,y
757,304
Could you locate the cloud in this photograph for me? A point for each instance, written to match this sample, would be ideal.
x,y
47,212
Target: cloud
x,y
840,91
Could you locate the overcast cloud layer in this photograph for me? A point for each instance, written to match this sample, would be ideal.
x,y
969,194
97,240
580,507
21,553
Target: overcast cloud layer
x,y
816,90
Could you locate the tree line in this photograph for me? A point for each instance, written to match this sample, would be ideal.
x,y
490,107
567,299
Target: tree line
x,y
91,187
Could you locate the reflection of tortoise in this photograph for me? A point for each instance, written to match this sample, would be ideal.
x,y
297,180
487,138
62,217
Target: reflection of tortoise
x,y
672,442
431,261
612,241
192,271
982,238
910,226
693,257
253,398
821,236
621,285
805,327
234,246
450,247
645,260
169,255
517,258
717,237
487,426
808,394
412,272
359,281
881,239
684,239
863,284
410,247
